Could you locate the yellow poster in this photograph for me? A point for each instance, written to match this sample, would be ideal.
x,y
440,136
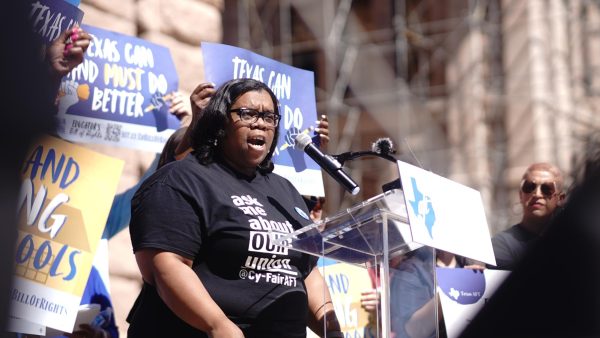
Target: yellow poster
x,y
65,197
345,283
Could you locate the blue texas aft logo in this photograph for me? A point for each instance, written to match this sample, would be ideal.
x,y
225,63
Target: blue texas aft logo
x,y
423,208
463,286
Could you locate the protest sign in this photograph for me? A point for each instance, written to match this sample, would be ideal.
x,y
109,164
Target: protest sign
x,y
120,94
65,198
294,89
346,282
51,17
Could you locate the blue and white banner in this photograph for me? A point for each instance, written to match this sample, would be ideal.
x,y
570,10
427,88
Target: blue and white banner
x,y
463,292
120,94
52,17
295,91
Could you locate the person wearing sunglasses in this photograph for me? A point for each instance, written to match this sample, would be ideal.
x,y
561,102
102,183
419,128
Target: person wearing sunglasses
x,y
540,195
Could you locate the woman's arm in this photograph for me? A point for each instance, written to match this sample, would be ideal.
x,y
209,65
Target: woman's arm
x,y
198,100
321,316
183,292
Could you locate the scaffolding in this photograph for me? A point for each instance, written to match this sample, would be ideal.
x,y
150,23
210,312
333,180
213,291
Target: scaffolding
x,y
441,78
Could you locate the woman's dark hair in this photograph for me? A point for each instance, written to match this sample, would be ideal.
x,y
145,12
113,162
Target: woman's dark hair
x,y
168,153
209,132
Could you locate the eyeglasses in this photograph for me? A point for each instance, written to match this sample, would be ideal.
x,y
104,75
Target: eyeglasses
x,y
249,115
548,188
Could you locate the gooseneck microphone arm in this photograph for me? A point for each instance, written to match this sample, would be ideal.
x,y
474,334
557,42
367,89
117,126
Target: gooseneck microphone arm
x,y
352,155
383,147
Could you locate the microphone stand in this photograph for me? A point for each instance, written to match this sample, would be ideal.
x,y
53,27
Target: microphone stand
x,y
352,155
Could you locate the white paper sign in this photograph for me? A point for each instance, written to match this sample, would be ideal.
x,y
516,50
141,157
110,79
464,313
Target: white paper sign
x,y
445,214
463,292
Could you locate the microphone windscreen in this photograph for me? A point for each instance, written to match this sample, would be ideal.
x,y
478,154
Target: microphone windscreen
x,y
302,140
383,146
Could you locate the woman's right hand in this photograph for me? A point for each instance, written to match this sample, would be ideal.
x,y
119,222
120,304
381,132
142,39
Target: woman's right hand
x,y
199,99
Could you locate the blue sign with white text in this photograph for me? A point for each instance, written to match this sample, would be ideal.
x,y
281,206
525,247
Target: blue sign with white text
x,y
120,94
294,89
50,18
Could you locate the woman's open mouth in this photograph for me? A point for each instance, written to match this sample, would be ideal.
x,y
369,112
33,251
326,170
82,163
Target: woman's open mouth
x,y
257,142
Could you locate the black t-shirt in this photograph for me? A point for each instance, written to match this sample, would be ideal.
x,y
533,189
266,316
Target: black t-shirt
x,y
221,219
510,245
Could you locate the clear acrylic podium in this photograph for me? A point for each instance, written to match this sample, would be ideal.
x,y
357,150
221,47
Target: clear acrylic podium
x,y
376,234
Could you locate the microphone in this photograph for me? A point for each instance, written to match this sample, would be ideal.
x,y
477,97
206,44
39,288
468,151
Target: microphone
x,y
383,146
332,166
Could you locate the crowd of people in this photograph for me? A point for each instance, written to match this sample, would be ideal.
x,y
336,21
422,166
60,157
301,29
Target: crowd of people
x,y
197,215
412,299
243,147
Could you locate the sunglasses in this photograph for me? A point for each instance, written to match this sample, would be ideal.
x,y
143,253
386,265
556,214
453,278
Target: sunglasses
x,y
548,188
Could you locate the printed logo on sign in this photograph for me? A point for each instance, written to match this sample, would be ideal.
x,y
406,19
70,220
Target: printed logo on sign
x,y
464,286
423,208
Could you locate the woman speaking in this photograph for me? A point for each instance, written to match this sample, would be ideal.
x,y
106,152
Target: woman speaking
x,y
200,232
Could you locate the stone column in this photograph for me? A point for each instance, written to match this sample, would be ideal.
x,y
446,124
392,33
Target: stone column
x,y
468,131
538,93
